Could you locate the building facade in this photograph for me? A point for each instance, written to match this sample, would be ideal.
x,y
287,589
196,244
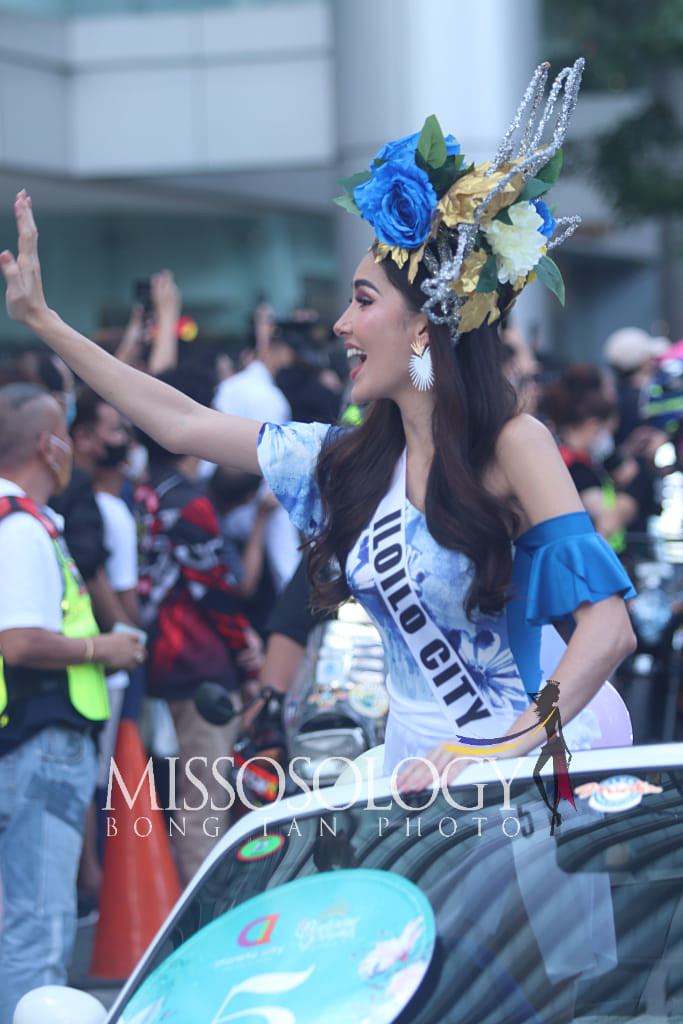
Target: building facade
x,y
208,137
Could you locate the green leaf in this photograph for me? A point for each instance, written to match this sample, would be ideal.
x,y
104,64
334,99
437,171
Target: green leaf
x,y
533,189
431,145
448,167
503,216
348,203
488,279
552,210
548,273
422,163
550,172
450,171
481,242
441,179
348,184
465,170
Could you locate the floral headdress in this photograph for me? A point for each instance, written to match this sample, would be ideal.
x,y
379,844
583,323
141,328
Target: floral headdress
x,y
489,228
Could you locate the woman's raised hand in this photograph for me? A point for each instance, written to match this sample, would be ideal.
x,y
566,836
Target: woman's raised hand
x,y
24,297
170,417
166,296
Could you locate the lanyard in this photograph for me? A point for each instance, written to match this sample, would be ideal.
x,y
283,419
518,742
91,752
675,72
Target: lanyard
x,y
447,675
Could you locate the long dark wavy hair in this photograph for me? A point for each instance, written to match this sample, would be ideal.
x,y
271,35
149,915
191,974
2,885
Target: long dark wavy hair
x,y
473,402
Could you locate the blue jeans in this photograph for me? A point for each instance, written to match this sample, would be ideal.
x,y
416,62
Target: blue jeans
x,y
46,785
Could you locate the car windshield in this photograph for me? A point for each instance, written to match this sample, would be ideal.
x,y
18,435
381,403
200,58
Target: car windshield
x,y
585,924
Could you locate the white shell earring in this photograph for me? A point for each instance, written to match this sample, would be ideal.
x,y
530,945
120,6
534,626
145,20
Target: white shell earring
x,y
420,366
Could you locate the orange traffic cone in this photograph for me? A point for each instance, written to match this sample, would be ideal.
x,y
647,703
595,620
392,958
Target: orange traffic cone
x,y
139,877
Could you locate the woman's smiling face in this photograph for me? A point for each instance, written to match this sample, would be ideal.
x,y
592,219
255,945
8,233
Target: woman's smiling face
x,y
378,329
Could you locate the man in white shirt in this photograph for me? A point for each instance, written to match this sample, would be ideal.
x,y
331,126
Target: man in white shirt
x,y
253,393
52,698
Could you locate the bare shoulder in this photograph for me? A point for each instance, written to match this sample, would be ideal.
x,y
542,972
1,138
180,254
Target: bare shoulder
x,y
536,478
520,432
523,438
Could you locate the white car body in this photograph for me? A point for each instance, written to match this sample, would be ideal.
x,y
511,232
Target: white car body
x,y
372,799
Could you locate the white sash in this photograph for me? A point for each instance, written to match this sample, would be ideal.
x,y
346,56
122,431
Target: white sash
x,y
465,706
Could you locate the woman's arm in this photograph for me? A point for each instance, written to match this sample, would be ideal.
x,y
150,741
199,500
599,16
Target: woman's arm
x,y
539,483
602,639
172,419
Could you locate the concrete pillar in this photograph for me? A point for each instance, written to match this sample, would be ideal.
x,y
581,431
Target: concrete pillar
x,y
397,61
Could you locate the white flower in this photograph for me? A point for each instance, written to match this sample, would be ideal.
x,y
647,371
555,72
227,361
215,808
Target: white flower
x,y
518,246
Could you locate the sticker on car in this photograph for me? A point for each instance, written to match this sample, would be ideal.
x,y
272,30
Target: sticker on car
x,y
616,794
341,947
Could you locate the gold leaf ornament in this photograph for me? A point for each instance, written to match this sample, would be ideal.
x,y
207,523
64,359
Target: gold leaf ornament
x,y
505,198
468,279
459,204
415,258
478,307
398,255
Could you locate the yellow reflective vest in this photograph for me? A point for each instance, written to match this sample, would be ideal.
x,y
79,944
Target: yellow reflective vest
x,y
83,685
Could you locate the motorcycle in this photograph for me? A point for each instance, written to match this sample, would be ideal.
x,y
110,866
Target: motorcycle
x,y
335,710
650,679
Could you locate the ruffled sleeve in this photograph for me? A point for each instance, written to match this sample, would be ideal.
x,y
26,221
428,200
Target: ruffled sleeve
x,y
563,562
287,456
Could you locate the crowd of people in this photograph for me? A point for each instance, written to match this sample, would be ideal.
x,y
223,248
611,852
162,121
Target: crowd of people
x,y
195,555
175,564
179,573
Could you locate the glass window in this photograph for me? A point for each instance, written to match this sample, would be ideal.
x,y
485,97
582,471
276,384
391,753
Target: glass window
x,y
583,925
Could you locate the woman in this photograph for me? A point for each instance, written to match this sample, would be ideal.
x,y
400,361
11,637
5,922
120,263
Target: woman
x,y
583,417
420,504
556,747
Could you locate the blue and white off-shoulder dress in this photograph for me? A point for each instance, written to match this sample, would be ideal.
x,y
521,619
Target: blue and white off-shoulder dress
x,y
558,564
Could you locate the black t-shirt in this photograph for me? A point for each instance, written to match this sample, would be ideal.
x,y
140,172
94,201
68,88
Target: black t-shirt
x,y
292,615
584,476
83,527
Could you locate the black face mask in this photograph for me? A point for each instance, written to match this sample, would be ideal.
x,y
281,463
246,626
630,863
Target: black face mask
x,y
114,455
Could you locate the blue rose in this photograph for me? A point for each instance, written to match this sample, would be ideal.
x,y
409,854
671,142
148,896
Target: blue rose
x,y
405,148
398,200
549,222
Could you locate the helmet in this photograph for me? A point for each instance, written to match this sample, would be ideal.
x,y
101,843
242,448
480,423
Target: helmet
x,y
661,401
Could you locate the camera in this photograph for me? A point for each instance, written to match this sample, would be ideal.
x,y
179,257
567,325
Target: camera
x,y
143,296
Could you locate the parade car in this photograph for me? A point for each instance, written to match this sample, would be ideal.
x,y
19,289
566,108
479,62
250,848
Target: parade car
x,y
359,905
